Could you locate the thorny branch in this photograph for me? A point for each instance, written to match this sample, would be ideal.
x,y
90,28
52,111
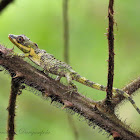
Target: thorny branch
x,y
111,52
96,115
11,109
4,3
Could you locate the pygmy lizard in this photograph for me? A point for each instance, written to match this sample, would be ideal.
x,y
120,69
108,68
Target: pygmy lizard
x,y
50,64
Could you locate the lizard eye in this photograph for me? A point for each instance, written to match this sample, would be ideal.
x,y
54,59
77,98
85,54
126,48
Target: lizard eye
x,y
20,39
36,45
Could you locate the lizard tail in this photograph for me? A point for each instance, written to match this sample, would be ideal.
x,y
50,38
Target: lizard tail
x,y
87,82
97,86
118,91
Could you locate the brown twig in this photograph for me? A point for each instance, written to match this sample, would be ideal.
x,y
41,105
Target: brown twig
x,y
111,52
59,93
15,85
4,3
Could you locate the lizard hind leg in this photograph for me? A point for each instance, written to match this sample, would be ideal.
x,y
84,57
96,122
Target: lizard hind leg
x,y
69,79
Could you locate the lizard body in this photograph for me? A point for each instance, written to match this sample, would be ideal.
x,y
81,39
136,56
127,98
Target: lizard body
x,y
52,65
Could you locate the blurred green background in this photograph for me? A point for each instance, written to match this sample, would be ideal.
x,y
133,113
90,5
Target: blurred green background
x,y
42,22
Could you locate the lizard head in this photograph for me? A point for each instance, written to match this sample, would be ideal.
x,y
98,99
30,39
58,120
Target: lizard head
x,y
22,42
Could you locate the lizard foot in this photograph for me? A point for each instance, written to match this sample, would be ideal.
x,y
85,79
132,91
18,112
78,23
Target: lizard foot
x,y
71,89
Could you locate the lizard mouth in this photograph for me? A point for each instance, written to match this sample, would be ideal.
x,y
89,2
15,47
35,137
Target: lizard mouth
x,y
12,38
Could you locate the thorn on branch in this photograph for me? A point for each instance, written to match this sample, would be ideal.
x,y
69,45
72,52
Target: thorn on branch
x,y
116,135
67,104
18,74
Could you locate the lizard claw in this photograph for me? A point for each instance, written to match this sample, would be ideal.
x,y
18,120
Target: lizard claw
x,y
18,74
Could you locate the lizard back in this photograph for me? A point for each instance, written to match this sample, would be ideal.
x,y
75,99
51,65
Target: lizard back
x,y
49,63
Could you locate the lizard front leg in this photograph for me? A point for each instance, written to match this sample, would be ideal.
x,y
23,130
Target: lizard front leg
x,y
69,79
23,55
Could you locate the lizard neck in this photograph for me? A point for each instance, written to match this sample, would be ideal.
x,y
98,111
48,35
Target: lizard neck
x,y
35,57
